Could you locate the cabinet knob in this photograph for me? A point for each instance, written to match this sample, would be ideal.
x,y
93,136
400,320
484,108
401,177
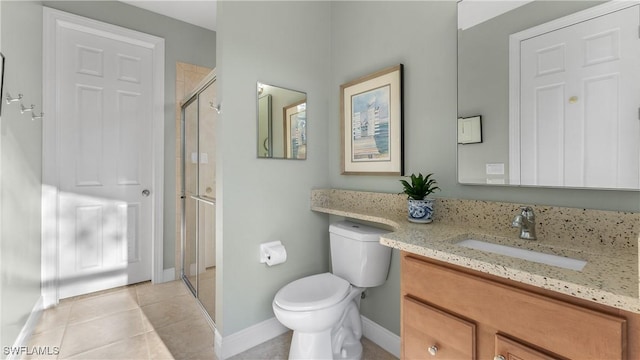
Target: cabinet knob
x,y
433,350
499,357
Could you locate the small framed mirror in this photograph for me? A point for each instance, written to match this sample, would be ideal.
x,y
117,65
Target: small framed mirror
x,y
282,123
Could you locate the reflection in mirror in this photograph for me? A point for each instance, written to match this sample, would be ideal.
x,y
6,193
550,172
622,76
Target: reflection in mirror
x,y
282,123
556,85
264,126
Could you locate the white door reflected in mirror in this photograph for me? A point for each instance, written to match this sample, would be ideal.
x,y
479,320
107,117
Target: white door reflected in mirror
x,y
556,84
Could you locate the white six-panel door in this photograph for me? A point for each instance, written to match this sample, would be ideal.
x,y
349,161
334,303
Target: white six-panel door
x,y
580,97
104,137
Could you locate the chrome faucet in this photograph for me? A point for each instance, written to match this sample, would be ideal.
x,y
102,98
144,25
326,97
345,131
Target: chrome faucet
x,y
526,221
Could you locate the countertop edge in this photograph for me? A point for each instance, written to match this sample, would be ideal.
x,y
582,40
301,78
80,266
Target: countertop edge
x,y
544,282
364,217
584,292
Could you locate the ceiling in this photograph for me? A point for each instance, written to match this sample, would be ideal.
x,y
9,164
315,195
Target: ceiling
x,y
197,12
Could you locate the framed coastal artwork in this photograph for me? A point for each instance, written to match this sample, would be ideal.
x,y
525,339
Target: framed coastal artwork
x,y
371,124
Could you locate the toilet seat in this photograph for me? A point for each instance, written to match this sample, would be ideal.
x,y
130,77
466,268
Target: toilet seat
x,y
312,292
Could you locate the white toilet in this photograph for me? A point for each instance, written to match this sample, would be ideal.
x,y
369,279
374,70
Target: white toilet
x,y
322,310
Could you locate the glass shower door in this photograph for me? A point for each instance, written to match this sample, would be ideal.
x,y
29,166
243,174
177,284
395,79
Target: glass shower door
x,y
206,200
199,217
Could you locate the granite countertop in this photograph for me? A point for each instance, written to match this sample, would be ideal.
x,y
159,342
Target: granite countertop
x,y
610,277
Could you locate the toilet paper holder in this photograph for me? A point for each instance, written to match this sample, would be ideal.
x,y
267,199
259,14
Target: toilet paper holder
x,y
266,251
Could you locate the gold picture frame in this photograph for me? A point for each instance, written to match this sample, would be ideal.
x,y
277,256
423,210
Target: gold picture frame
x,y
371,124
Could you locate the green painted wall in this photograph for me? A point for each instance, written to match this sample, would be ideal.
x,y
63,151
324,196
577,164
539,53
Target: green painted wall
x,y
21,173
422,36
262,200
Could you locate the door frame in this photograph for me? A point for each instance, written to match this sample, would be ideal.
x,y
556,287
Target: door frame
x,y
52,20
514,69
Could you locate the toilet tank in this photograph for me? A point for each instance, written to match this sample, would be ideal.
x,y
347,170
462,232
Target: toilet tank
x,y
357,255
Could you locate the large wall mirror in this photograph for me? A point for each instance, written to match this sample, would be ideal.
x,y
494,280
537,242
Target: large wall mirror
x,y
549,93
282,123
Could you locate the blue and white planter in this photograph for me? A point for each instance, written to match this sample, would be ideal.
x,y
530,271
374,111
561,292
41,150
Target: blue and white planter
x,y
420,211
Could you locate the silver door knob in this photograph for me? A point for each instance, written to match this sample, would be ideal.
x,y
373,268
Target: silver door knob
x,y
433,350
146,192
499,357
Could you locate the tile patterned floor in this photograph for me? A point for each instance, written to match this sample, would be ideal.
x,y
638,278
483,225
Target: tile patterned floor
x,y
144,321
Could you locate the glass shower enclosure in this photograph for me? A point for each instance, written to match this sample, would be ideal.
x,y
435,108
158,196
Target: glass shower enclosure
x,y
199,116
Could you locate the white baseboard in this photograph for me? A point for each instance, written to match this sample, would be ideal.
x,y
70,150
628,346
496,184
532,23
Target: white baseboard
x,y
168,274
228,346
381,336
22,341
217,344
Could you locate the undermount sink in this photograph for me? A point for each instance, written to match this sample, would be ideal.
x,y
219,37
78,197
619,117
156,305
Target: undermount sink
x,y
524,254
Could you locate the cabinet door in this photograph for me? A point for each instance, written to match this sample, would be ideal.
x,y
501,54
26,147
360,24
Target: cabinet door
x,y
512,350
428,332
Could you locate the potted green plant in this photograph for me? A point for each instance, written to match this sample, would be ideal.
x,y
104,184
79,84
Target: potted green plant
x,y
419,206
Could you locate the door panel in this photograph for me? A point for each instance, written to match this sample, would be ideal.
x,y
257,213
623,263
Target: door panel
x,y
207,170
207,271
129,222
128,132
581,129
190,180
104,156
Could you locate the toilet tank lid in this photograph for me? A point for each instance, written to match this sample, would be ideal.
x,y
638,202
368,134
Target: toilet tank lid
x,y
356,231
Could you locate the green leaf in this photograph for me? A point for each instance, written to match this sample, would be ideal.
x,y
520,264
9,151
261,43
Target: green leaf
x,y
420,186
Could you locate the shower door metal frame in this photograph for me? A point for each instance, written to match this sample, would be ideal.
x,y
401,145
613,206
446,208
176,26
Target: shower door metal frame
x,y
193,97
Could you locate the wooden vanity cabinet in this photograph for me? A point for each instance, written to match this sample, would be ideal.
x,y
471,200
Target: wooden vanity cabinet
x,y
466,314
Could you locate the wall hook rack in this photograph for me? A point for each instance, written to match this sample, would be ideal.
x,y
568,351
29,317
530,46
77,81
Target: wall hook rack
x,y
24,109
10,99
214,107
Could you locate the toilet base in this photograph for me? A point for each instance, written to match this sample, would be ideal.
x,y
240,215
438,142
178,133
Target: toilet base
x,y
346,336
311,346
342,342
317,346
352,351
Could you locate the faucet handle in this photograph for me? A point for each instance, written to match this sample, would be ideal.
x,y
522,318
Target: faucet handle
x,y
526,211
517,221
